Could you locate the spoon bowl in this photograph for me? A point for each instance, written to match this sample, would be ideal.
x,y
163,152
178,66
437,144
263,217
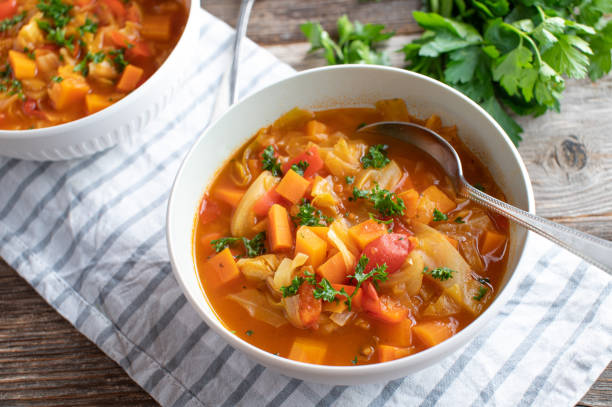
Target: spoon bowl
x,y
593,249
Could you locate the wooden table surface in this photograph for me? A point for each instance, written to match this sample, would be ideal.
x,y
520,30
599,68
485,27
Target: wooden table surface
x,y
45,361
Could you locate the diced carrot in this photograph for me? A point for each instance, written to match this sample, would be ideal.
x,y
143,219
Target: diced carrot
x,y
320,231
443,203
399,334
129,78
386,353
308,350
307,242
356,301
394,110
316,130
309,306
388,310
156,27
279,230
334,269
8,8
116,7
206,247
231,196
69,92
432,332
225,267
492,242
293,186
263,204
95,102
452,241
434,122
22,66
411,201
367,231
425,209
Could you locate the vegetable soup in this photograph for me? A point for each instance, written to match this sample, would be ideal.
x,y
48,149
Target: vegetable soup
x,y
321,244
61,60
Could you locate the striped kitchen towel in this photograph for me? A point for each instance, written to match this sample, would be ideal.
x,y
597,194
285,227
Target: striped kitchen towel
x,y
89,236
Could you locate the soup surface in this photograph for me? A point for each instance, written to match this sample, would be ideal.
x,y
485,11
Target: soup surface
x,y
325,245
61,60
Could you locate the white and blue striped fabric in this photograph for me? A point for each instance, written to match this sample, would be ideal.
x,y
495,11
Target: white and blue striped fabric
x,y
89,236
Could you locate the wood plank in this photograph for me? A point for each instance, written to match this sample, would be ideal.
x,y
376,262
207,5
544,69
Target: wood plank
x,y
278,21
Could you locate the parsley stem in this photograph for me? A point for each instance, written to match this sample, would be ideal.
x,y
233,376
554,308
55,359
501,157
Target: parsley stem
x,y
529,40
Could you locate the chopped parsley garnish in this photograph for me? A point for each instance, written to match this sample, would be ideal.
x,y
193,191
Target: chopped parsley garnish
x,y
270,162
376,157
58,14
459,219
354,361
439,216
249,332
57,79
308,215
378,273
254,247
10,22
482,291
479,187
384,201
349,180
484,280
300,167
360,125
89,27
440,273
83,67
118,57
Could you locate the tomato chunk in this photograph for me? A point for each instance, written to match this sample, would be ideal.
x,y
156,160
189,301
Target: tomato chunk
x,y
309,307
384,308
209,211
8,8
312,157
391,249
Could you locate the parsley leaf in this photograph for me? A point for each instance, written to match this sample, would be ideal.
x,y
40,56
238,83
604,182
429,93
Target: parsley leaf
x,y
88,27
249,332
440,273
439,216
270,162
254,247
356,42
300,167
326,292
83,65
459,219
376,157
10,22
482,291
385,202
308,215
118,57
222,243
349,180
354,361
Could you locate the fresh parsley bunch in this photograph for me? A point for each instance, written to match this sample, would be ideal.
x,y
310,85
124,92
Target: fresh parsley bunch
x,y
355,42
511,54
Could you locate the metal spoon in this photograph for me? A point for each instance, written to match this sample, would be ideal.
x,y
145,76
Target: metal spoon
x,y
228,89
593,249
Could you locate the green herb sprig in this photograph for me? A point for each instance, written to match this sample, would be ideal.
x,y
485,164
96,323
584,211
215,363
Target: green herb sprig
x,y
308,215
385,202
440,273
270,162
254,247
376,157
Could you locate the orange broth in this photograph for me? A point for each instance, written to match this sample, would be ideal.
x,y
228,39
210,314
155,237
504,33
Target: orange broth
x,y
368,336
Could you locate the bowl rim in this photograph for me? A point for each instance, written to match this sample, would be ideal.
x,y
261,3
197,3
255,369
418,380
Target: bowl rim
x,y
33,134
421,358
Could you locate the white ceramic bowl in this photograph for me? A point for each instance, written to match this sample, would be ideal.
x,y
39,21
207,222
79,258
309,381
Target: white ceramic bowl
x,y
327,88
121,122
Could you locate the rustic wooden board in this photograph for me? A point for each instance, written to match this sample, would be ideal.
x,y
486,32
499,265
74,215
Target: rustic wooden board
x,y
45,361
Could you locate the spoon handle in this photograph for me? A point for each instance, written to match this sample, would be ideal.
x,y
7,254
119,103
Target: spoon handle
x,y
593,249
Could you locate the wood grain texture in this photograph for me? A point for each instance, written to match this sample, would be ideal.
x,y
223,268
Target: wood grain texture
x,y
45,361
278,21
